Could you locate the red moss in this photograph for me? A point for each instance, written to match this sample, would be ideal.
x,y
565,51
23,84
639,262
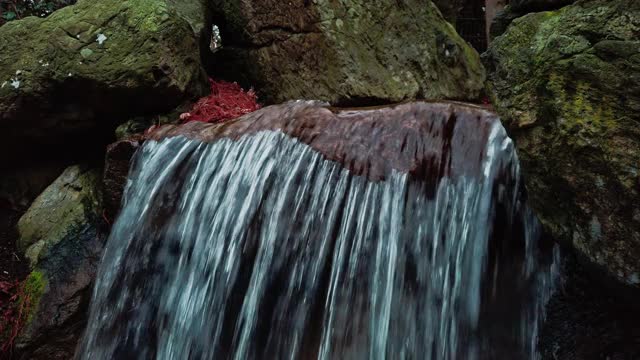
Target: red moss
x,y
227,101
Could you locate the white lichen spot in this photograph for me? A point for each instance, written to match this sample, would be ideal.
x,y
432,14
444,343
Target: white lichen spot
x,y
101,38
70,75
18,72
3,85
78,36
447,53
45,64
15,83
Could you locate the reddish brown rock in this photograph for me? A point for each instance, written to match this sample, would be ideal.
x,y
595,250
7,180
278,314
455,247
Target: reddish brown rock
x,y
370,141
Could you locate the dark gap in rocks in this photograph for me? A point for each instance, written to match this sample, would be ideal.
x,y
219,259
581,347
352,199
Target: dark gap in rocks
x,y
12,265
587,319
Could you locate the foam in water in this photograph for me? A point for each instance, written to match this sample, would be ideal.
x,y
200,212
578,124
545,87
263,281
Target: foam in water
x,y
259,248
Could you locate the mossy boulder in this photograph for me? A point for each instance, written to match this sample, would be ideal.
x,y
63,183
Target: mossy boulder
x,y
86,66
567,85
60,233
346,53
58,211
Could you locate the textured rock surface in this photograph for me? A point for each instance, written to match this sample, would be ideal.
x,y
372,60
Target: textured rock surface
x,y
89,65
567,84
62,207
365,52
61,232
116,170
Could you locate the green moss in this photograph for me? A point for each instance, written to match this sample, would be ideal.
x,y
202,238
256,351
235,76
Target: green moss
x,y
34,288
580,116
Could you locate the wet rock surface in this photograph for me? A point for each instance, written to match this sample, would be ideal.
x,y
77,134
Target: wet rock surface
x,y
360,53
567,83
407,137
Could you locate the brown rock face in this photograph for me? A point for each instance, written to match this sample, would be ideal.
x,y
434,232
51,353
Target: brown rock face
x,y
371,142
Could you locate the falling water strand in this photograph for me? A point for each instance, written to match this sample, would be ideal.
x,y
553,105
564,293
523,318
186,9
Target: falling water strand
x,y
261,248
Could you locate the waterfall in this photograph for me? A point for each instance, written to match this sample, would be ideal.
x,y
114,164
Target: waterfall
x,y
262,247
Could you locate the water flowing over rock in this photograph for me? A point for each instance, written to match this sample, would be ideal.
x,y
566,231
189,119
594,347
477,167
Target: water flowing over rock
x,y
360,52
567,85
302,231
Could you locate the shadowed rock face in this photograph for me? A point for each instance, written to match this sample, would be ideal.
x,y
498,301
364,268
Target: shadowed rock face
x,y
414,137
538,5
357,53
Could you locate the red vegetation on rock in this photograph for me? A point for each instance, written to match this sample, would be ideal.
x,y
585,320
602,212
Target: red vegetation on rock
x,y
227,101
14,308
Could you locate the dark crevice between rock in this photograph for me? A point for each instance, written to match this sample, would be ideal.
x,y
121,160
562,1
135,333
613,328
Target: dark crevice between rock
x,y
590,318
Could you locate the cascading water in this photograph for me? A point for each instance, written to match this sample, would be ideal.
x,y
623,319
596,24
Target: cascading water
x,y
262,247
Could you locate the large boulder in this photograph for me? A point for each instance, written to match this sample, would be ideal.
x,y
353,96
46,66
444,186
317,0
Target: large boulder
x,y
567,85
60,233
90,65
360,52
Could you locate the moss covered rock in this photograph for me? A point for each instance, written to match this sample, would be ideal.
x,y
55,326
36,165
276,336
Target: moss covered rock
x,y
88,65
567,85
356,52
61,238
59,210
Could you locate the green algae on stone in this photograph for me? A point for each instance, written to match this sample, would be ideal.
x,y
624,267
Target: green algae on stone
x,y
33,289
567,86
